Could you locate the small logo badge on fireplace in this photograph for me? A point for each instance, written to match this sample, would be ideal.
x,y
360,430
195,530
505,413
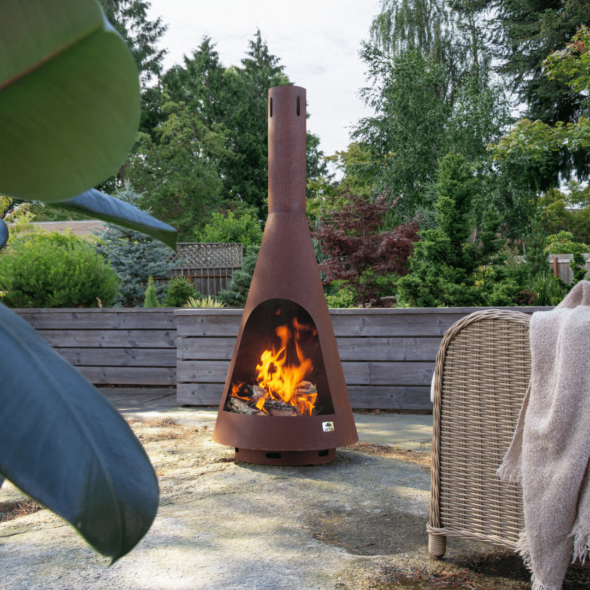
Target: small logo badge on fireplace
x,y
328,426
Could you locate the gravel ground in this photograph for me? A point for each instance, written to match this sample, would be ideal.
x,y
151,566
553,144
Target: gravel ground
x,y
355,524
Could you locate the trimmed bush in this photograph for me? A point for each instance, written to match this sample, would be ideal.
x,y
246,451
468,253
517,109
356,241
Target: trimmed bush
x,y
49,269
180,290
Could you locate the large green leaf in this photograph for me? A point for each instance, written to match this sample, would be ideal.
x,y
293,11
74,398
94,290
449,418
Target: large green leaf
x,y
113,210
65,446
69,98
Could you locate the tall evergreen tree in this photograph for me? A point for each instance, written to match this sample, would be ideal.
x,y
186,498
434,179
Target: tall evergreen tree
x,y
448,270
142,35
235,100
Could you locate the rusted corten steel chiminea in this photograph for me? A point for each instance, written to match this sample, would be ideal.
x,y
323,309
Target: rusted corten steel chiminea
x,y
285,400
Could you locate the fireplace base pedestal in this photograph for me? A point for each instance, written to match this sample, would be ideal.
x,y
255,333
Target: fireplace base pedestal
x,y
285,457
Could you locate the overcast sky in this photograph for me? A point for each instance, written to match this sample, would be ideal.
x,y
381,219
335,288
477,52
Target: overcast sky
x,y
317,41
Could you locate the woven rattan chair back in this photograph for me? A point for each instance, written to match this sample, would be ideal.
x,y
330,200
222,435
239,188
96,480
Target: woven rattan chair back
x,y
482,373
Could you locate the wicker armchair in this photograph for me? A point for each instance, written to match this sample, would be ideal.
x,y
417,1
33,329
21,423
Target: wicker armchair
x,y
482,373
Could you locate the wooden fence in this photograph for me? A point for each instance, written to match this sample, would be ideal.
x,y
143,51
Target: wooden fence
x,y
560,264
387,354
112,346
210,267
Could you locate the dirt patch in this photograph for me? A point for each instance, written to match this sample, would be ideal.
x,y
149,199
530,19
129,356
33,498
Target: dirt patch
x,y
12,510
387,533
417,457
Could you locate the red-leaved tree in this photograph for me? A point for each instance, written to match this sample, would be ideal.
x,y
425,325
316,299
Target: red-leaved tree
x,y
359,250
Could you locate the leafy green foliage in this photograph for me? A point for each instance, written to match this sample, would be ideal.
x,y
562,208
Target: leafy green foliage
x,y
528,31
134,257
567,211
232,227
233,101
562,243
151,297
567,137
178,175
179,291
417,122
447,269
49,269
62,136
237,293
548,289
52,149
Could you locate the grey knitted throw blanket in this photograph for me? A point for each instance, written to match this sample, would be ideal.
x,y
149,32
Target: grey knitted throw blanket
x,y
551,446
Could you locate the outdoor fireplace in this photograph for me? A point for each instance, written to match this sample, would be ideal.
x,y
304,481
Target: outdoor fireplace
x,y
285,400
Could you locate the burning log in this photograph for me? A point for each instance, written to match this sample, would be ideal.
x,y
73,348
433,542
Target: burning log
x,y
237,406
246,399
278,408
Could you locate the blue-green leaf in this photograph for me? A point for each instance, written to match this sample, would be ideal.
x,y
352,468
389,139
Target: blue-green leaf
x,y
65,446
3,234
113,210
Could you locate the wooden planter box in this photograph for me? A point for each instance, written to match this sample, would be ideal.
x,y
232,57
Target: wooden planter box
x,y
388,355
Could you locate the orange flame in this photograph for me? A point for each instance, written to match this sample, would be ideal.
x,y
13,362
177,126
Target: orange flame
x,y
281,380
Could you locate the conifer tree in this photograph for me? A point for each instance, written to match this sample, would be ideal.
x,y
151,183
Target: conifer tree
x,y
134,257
449,270
239,288
151,297
535,255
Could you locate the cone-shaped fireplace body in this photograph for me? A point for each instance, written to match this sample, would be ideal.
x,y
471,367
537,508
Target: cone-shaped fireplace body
x,y
285,378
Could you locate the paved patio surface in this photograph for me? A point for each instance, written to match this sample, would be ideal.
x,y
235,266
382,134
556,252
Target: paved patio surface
x,y
357,523
406,431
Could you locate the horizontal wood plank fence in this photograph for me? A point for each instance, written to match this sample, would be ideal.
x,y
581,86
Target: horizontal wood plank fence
x,y
388,355
112,346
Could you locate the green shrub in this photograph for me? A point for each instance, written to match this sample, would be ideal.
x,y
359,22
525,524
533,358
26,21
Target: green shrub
x,y
340,297
240,227
549,290
49,269
180,290
151,296
563,243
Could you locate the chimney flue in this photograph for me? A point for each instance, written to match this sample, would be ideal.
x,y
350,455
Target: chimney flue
x,y
286,149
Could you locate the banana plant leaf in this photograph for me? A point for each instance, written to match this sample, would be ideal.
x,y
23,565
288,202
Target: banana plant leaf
x,y
69,98
113,210
66,447
3,234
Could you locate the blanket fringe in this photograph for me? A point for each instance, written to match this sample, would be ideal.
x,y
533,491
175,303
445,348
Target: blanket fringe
x,y
581,537
522,547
